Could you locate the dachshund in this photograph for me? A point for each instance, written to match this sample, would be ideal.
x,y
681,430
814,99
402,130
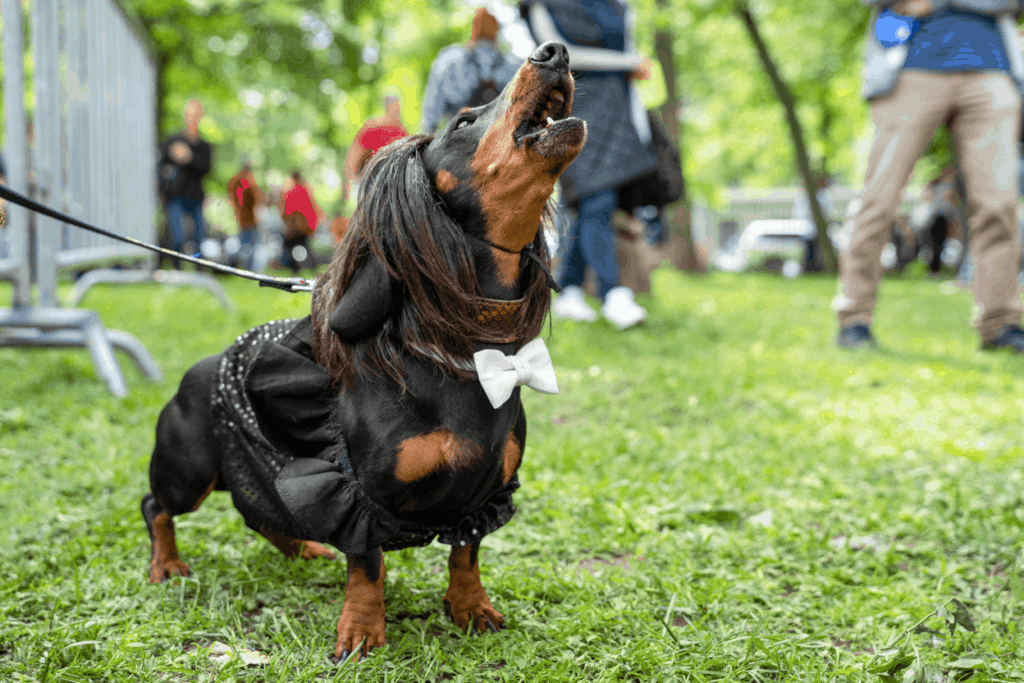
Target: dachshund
x,y
377,422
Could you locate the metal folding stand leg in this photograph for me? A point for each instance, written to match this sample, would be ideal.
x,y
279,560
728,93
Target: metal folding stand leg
x,y
66,327
164,277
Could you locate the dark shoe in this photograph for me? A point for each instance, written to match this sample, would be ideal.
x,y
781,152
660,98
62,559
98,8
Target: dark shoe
x,y
856,336
1009,337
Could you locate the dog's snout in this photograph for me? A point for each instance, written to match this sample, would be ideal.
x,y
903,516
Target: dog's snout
x,y
551,55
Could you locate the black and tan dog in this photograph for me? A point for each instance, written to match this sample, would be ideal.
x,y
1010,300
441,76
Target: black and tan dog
x,y
365,425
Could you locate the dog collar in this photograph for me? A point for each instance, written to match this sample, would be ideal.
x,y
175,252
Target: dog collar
x,y
501,318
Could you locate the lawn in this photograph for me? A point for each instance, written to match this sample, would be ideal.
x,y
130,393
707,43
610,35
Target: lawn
x,y
719,495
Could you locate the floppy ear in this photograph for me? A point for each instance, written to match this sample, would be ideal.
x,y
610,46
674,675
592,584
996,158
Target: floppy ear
x,y
366,304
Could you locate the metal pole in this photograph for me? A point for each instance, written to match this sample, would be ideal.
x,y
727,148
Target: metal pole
x,y
16,149
46,152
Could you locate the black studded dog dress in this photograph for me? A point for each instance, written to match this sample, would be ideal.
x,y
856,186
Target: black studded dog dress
x,y
286,462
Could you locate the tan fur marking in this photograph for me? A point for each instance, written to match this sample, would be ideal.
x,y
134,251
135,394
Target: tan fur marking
x,y
446,182
205,494
513,184
291,547
362,617
465,601
164,562
506,267
510,461
421,455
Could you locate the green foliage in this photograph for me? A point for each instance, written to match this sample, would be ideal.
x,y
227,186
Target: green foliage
x,y
734,127
720,494
285,81
288,83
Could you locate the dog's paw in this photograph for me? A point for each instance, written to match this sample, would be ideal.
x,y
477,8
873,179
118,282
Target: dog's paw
x,y
161,571
473,612
312,550
358,631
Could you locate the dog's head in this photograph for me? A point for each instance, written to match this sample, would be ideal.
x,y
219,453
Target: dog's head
x,y
495,166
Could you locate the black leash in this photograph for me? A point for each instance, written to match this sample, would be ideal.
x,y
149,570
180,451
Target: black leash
x,y
288,284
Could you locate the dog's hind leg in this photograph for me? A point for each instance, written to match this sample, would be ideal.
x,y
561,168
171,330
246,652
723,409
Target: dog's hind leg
x,y
361,625
163,562
465,600
292,547
185,467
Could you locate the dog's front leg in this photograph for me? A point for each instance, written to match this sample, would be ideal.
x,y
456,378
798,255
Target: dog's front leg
x,y
362,617
465,600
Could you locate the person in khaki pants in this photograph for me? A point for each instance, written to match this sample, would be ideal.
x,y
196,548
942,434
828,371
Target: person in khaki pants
x,y
931,62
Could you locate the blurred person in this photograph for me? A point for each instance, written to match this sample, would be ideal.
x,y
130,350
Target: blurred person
x,y
185,158
925,65
940,199
802,211
245,196
599,37
301,215
468,76
375,134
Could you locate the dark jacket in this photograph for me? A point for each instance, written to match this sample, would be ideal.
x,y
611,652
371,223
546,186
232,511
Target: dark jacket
x,y
190,184
615,151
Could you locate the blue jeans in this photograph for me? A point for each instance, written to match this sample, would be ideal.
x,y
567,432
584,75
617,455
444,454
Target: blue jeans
x,y
592,243
655,231
248,237
176,209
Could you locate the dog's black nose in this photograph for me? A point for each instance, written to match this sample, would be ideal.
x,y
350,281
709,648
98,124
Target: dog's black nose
x,y
551,55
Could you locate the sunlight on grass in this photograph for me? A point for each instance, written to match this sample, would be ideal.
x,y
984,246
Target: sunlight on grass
x,y
720,494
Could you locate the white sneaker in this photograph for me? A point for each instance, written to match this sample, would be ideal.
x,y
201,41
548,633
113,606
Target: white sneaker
x,y
571,305
620,310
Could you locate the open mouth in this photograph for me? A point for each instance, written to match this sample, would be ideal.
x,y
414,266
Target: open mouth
x,y
549,117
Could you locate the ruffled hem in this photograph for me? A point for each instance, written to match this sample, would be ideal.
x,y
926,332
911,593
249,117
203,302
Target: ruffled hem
x,y
486,519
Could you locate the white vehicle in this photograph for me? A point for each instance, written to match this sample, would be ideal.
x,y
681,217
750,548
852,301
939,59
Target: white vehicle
x,y
766,243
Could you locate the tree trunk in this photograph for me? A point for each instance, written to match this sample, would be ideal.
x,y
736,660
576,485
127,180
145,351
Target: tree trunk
x,y
795,132
679,247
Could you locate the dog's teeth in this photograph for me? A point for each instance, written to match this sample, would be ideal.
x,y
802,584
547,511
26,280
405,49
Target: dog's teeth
x,y
550,121
558,96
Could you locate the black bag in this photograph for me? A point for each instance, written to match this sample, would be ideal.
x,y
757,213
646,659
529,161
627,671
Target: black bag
x,y
486,90
663,185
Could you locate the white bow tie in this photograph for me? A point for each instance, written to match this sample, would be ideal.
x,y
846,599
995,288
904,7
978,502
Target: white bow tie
x,y
500,374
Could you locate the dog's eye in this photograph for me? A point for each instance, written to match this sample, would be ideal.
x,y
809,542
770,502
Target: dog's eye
x,y
464,121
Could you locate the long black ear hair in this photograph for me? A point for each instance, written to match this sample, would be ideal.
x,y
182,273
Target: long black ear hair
x,y
401,222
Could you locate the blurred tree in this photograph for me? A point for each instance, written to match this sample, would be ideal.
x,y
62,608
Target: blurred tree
x,y
734,128
681,251
289,82
796,132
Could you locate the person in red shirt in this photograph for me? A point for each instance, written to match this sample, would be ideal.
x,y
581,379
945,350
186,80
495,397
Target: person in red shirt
x,y
301,215
245,196
375,134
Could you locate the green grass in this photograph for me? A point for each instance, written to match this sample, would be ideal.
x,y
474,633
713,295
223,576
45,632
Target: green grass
x,y
720,495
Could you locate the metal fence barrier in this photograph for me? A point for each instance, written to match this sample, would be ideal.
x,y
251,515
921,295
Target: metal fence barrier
x,y
92,154
716,225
